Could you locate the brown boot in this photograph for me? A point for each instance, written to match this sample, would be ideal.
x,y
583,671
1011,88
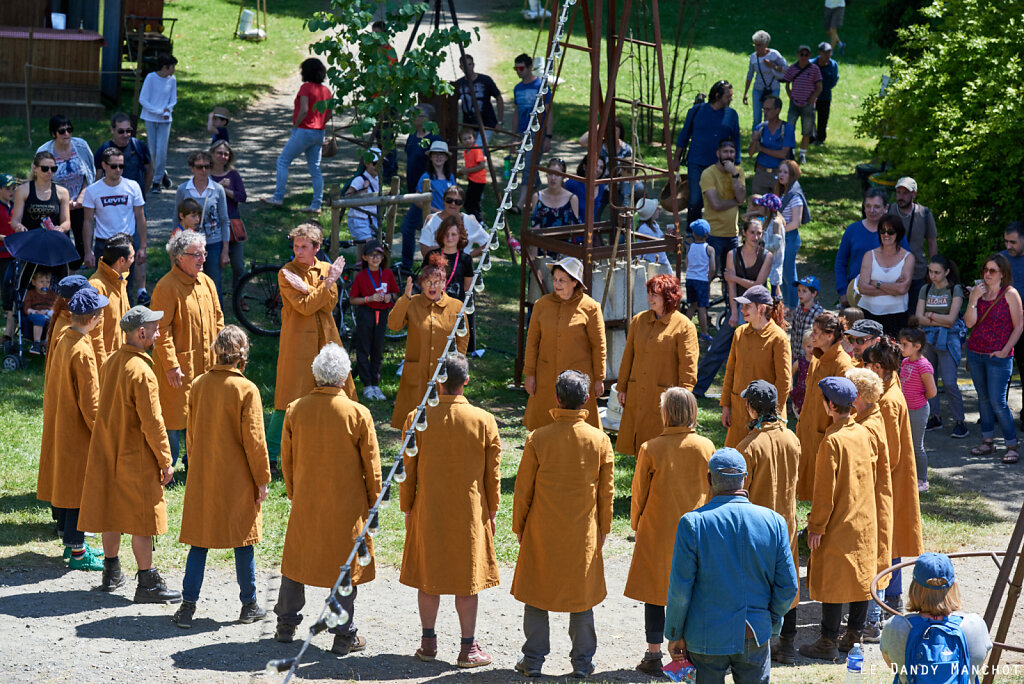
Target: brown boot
x,y
472,656
848,639
427,650
822,649
651,665
784,652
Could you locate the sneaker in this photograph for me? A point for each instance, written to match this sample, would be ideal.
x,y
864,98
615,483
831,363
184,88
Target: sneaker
x,y
934,423
842,48
848,640
166,180
960,431
650,664
113,578
251,612
872,633
784,652
380,393
96,552
427,650
142,298
155,189
822,649
152,588
183,616
583,672
922,486
472,656
343,645
369,394
895,602
87,562
271,201
704,337
803,157
284,634
524,670
314,211
36,348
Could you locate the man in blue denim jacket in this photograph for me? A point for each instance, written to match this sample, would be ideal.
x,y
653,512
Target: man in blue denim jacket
x,y
732,580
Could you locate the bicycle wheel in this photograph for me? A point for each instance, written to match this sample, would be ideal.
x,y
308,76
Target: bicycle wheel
x,y
257,301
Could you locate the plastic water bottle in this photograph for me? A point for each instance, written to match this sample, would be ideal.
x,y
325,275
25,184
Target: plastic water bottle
x,y
507,167
854,665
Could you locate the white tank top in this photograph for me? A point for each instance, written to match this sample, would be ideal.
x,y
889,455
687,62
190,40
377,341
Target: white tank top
x,y
885,304
697,261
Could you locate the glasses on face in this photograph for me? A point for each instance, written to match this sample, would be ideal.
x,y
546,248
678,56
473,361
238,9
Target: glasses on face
x,y
433,284
886,231
201,166
64,130
803,54
196,255
520,67
124,131
855,340
991,271
115,166
48,169
453,200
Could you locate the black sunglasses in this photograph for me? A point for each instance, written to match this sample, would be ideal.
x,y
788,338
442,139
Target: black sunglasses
x,y
114,166
200,166
124,131
48,169
453,200
65,129
888,231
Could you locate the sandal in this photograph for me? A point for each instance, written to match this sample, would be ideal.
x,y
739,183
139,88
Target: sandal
x,y
1011,456
984,449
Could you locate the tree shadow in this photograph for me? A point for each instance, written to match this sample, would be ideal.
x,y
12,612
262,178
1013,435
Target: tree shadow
x,y
29,568
141,627
58,603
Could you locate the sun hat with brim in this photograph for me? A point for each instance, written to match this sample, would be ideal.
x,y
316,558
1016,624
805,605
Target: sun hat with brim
x,y
572,266
932,566
222,113
758,294
439,146
645,209
139,316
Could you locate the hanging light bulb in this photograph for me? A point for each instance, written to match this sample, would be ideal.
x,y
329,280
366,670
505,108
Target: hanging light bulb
x,y
333,619
500,223
374,526
545,89
399,476
470,304
513,183
506,203
411,449
463,329
345,588
363,556
442,375
279,665
385,498
534,125
432,398
495,243
485,262
541,107
528,144
453,353
421,423
479,287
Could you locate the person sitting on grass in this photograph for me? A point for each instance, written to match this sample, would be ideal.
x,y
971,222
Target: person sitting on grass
x,y
38,307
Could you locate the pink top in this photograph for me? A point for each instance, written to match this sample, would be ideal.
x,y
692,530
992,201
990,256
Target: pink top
x,y
994,332
910,378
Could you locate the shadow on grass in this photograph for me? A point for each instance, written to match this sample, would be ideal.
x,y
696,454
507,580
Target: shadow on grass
x,y
30,605
947,502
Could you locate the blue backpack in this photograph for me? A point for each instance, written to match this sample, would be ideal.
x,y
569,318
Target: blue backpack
x,y
936,652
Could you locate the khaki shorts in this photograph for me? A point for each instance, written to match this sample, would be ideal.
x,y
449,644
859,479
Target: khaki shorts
x,y
764,180
834,17
806,116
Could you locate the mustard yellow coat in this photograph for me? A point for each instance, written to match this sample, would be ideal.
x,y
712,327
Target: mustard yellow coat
x,y
128,451
70,399
429,323
670,479
660,353
452,487
763,354
111,285
227,458
872,419
306,326
564,335
59,322
772,453
331,470
906,505
561,508
843,512
814,419
192,319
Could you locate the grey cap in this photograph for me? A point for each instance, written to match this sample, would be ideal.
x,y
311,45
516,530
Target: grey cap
x,y
138,316
866,327
761,394
758,294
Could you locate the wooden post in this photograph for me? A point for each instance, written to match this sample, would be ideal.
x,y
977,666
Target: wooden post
x,y
389,220
28,88
335,225
138,83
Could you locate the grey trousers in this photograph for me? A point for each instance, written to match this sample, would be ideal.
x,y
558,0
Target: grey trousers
x,y
944,366
918,421
292,597
538,638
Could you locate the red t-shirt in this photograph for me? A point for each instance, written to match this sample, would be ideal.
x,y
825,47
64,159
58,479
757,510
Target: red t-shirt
x,y
472,157
366,283
5,230
315,119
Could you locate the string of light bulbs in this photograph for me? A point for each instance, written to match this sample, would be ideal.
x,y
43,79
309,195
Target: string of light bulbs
x,y
332,613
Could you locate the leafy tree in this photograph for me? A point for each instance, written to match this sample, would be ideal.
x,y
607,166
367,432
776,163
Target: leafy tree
x,y
368,79
888,16
953,118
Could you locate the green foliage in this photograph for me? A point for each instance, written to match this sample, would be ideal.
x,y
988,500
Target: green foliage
x,y
365,73
889,16
952,118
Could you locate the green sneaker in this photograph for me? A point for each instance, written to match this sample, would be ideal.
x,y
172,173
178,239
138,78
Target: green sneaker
x,y
96,552
88,561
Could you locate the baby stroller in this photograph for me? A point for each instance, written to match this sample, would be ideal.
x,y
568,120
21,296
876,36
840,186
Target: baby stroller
x,y
32,250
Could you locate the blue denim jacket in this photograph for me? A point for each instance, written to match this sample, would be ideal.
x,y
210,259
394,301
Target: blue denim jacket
x,y
731,567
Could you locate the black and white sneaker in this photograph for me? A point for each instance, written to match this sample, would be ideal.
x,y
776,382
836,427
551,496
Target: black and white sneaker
x,y
960,431
934,423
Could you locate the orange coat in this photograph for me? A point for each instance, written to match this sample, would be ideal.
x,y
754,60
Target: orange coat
x,y
671,479
451,489
873,421
430,323
70,399
111,285
772,453
128,451
227,457
564,335
660,353
814,419
307,325
906,505
843,512
59,322
763,354
331,470
561,508
192,319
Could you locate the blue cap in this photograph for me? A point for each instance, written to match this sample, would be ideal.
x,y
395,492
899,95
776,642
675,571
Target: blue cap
x,y
727,459
758,294
839,391
934,566
86,301
810,282
72,284
700,228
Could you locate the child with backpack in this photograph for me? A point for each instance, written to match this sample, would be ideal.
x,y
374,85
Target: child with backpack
x,y
934,643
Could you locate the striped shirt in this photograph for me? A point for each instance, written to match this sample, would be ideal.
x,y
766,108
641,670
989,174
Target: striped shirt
x,y
910,380
802,81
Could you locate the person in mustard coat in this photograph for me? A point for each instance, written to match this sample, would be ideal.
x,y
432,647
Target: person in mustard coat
x,y
869,391
450,498
661,352
670,479
884,359
772,455
841,526
309,293
561,514
331,470
129,460
830,359
70,402
109,280
228,479
192,319
760,351
566,332
430,317
60,320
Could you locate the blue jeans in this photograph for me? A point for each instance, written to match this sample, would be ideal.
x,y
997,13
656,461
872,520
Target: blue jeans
x,y
411,225
212,267
245,572
946,365
174,438
789,276
713,358
722,245
895,588
302,141
158,133
757,105
38,320
991,378
753,666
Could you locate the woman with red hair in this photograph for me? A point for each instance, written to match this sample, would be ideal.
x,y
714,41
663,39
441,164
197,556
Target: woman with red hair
x,y
661,352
